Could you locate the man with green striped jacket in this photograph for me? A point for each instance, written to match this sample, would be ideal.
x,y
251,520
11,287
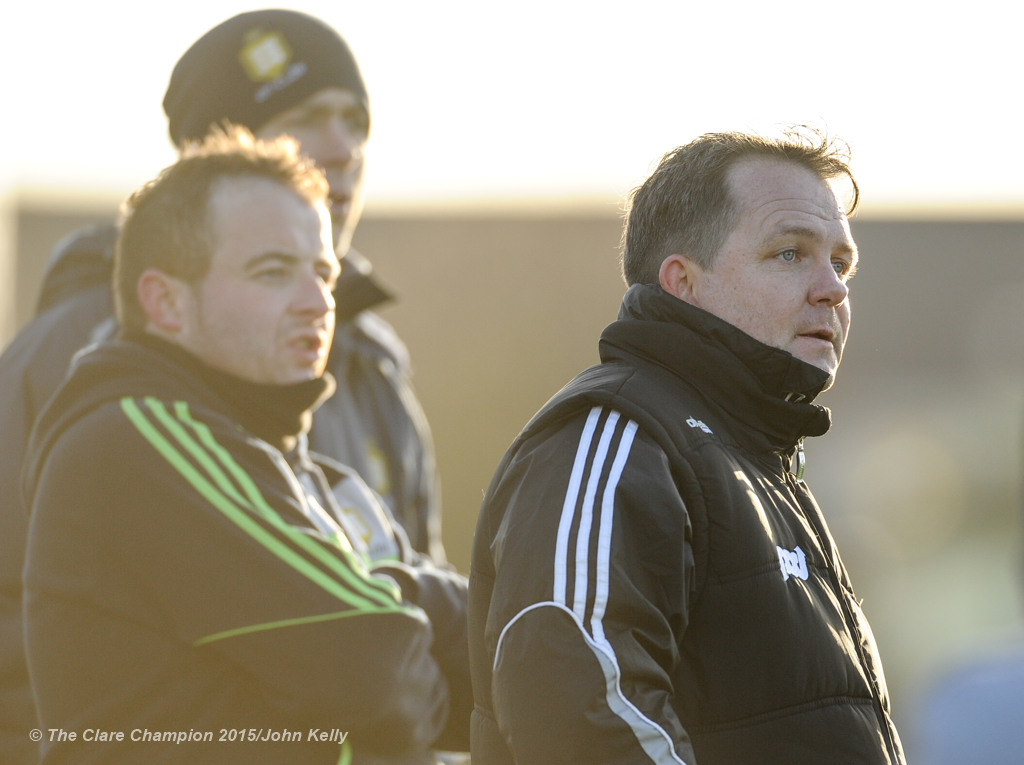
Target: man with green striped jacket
x,y
194,590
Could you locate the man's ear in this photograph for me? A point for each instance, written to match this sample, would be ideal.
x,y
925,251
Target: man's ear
x,y
680,276
162,298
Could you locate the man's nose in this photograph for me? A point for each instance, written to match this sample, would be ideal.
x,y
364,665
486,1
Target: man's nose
x,y
828,286
315,297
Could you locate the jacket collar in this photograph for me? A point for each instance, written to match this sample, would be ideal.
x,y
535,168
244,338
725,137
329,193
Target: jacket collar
x,y
766,391
358,288
145,366
277,414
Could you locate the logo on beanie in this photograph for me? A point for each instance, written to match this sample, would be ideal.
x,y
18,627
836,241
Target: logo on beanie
x,y
267,58
265,55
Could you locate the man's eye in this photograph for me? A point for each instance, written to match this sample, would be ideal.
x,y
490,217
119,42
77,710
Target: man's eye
x,y
298,118
788,255
313,117
844,269
306,118
358,122
271,274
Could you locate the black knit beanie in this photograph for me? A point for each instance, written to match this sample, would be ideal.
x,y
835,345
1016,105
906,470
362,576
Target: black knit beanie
x,y
254,66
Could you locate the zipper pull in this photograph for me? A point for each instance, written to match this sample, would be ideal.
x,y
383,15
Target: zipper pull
x,y
801,461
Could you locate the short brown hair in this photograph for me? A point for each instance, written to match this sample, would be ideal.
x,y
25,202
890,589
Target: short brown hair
x,y
685,206
165,224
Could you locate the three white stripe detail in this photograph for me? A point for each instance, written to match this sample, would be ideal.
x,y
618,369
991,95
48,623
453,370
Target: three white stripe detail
x,y
654,740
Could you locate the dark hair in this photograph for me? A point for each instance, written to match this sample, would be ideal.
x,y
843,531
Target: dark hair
x,y
165,222
685,206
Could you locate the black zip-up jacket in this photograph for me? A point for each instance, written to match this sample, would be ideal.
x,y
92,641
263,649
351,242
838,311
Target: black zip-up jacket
x,y
651,583
181,576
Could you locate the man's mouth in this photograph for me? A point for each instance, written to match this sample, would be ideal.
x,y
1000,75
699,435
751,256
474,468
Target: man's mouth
x,y
820,334
309,343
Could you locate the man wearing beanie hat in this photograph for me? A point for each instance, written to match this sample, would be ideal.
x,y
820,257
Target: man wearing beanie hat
x,y
283,72
273,71
279,71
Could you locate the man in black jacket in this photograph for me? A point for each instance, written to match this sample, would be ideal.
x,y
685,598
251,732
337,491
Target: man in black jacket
x,y
193,590
275,72
652,580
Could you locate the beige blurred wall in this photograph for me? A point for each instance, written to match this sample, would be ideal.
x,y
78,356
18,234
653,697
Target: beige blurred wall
x,y
8,268
36,225
920,476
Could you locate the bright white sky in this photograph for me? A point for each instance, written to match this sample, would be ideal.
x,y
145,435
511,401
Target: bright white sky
x,y
552,99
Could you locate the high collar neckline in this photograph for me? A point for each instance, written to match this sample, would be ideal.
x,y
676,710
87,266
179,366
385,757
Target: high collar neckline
x,y
764,389
276,413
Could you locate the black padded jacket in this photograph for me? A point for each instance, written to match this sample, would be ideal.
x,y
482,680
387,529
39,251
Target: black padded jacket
x,y
651,583
181,575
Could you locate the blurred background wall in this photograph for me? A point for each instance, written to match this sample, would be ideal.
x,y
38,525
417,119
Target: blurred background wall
x,y
919,478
